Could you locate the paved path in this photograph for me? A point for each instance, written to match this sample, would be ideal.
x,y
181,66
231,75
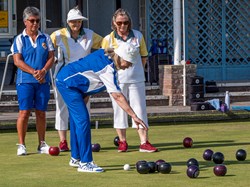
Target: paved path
x,y
151,110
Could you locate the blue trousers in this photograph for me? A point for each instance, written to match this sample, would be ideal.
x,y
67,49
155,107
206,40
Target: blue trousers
x,y
80,130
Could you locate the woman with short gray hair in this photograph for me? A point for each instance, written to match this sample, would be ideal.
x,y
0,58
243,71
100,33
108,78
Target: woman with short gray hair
x,y
34,56
30,11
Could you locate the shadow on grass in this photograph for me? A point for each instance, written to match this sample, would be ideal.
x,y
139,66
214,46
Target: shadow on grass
x,y
35,153
201,122
120,167
178,145
204,144
204,165
11,126
199,178
229,175
232,162
232,115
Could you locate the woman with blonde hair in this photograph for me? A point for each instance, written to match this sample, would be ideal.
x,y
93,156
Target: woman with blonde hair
x,y
93,74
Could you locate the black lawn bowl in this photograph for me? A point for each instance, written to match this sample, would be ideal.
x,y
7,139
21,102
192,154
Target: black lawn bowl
x,y
218,158
116,141
142,168
165,168
140,162
152,167
192,161
241,155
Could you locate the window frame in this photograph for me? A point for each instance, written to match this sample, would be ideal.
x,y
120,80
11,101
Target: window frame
x,y
11,23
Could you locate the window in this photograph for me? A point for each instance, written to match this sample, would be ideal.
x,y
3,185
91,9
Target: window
x,y
5,18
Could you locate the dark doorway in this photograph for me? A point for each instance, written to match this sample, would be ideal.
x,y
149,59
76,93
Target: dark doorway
x,y
21,5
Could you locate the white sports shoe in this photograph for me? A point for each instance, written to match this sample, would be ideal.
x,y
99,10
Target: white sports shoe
x,y
43,148
74,162
21,150
89,167
95,165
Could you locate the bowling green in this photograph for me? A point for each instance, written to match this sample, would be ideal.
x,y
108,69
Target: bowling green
x,y
36,170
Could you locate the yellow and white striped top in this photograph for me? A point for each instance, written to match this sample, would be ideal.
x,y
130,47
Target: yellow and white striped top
x,y
71,49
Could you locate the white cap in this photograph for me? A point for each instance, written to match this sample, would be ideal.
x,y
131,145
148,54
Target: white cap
x,y
127,52
75,14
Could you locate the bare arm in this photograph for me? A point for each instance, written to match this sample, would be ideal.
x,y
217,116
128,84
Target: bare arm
x,y
40,74
122,102
18,61
50,61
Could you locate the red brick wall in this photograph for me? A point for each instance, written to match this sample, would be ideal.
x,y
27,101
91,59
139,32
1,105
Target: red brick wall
x,y
171,82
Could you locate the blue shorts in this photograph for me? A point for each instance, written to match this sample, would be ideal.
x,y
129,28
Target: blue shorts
x,y
33,95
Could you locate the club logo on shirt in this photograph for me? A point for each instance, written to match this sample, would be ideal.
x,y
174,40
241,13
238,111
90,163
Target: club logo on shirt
x,y
44,45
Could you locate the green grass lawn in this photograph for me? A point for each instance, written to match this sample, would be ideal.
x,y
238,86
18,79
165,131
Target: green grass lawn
x,y
36,170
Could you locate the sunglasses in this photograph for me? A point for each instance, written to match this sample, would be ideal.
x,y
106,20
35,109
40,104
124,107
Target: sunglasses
x,y
34,20
119,23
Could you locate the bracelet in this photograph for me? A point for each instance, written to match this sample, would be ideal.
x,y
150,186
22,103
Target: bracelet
x,y
45,70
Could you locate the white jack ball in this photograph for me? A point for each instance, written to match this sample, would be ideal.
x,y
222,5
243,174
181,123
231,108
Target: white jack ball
x,y
126,167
